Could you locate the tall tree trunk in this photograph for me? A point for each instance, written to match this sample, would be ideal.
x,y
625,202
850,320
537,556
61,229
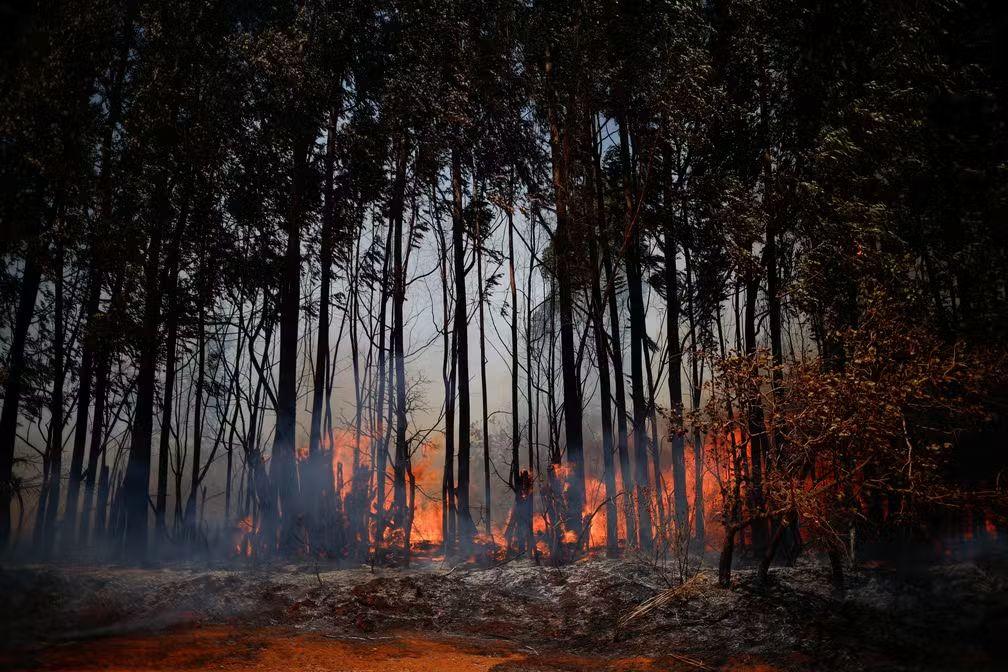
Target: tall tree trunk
x,y
161,503
654,444
382,446
319,474
513,474
616,351
283,467
85,375
755,425
398,354
675,374
98,437
637,336
533,411
605,396
562,243
695,392
449,357
30,281
198,413
596,188
55,446
478,237
466,528
137,482
322,343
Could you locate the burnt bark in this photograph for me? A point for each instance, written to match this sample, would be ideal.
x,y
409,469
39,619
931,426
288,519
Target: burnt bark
x,y
466,528
136,486
562,242
637,336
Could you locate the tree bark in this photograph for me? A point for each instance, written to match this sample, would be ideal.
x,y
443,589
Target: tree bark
x,y
56,402
283,467
136,485
563,236
465,522
675,373
484,425
30,280
637,336
398,354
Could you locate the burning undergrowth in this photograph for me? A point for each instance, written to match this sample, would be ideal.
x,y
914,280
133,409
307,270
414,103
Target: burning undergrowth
x,y
941,618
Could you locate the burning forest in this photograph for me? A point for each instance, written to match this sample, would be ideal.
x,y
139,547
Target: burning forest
x,y
511,335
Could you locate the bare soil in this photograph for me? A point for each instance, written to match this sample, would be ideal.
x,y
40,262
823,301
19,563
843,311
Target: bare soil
x,y
518,616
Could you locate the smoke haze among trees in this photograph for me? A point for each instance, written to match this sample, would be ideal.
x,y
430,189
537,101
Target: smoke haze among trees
x,y
371,280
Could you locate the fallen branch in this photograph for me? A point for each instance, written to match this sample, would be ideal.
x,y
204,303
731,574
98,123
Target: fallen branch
x,y
655,602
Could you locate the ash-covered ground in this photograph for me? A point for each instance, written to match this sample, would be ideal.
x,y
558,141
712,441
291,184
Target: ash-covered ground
x,y
946,617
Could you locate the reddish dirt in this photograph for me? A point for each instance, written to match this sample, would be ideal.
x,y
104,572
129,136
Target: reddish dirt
x,y
279,650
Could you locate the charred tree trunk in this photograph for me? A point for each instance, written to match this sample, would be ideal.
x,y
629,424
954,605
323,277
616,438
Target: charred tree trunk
x,y
136,486
513,474
55,447
85,375
382,446
568,368
605,395
695,392
756,427
637,336
325,275
465,522
283,468
484,424
318,473
398,354
622,441
596,188
449,356
161,504
194,483
675,376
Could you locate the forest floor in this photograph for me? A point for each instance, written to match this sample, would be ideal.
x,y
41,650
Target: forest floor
x,y
513,617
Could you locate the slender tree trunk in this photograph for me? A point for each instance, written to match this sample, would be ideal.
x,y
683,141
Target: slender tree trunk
x,y
605,396
382,446
283,467
85,375
56,402
675,376
319,473
398,354
622,441
137,484
695,392
596,187
513,474
483,381
449,357
533,412
98,437
571,385
637,336
465,522
756,427
161,504
30,281
655,446
190,512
